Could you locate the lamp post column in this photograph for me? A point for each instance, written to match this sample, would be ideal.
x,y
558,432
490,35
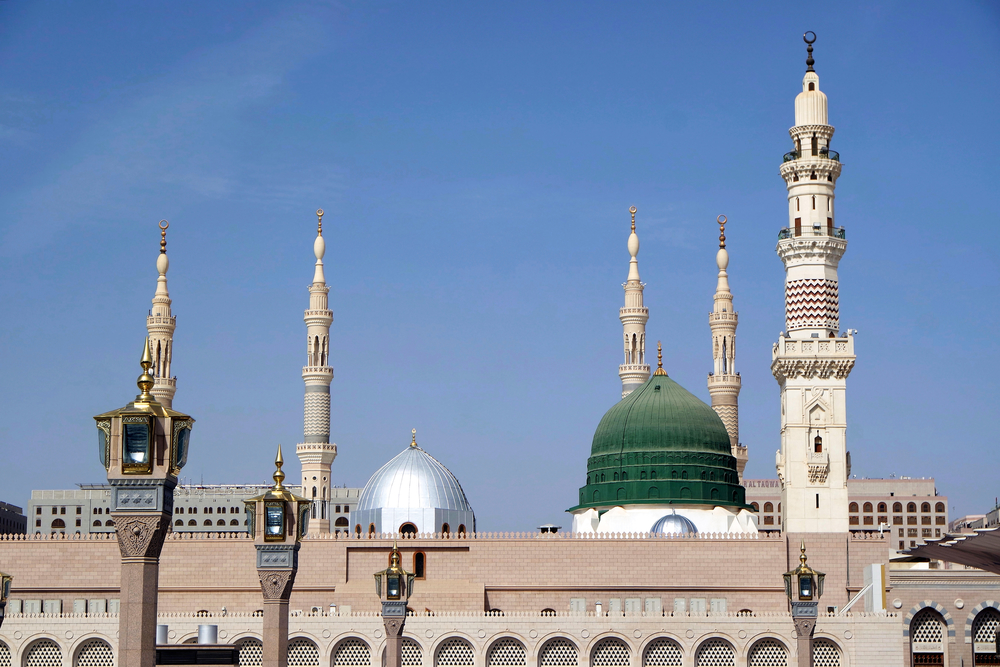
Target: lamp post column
x,y
804,587
277,522
804,618
393,586
143,447
5,580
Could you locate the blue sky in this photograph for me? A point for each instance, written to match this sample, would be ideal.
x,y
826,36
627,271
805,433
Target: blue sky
x,y
477,162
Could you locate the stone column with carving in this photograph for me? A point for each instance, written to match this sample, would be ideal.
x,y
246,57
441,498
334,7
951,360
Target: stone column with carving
x,y
142,446
393,617
805,626
393,586
277,521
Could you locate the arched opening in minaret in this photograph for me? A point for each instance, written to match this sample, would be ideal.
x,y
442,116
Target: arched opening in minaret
x,y
818,445
635,344
724,367
812,86
314,503
815,144
642,349
315,359
322,506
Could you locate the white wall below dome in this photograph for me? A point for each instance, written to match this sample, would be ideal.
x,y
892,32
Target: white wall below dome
x,y
426,520
640,518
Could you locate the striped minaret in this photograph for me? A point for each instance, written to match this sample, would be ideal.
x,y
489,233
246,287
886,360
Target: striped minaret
x,y
317,453
160,326
724,382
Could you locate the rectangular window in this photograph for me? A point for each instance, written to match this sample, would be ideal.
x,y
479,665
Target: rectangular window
x,y
55,510
939,520
911,521
38,510
817,501
62,510
925,532
897,521
338,509
902,545
869,520
38,522
79,510
925,520
78,522
900,532
883,519
829,226
913,543
937,532
769,521
911,532
798,226
853,520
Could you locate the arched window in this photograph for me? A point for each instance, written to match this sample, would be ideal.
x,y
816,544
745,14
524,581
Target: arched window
x,y
357,530
818,444
853,507
109,523
43,653
207,510
352,652
558,652
868,507
767,652
177,510
371,529
897,507
419,562
663,652
220,522
826,653
192,522
97,523
882,507
208,522
684,474
302,652
58,524
756,507
341,522
939,507
925,507
911,507
611,652
445,529
94,653
178,522
506,652
715,652
927,636
234,522
454,652
408,530
251,652
461,529
984,632
768,507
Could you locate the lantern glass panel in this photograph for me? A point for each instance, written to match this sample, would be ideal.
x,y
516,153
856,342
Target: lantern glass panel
x,y
103,438
274,522
805,587
6,588
137,448
181,441
392,587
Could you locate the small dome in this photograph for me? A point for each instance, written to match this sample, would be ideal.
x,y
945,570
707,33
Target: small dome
x,y
413,480
674,524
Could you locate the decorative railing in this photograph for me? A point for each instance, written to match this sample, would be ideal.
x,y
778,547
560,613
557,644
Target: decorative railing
x,y
791,155
824,152
835,232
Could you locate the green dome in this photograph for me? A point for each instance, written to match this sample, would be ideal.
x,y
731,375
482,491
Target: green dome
x,y
661,445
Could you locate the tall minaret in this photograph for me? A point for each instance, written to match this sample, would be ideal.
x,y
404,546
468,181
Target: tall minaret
x,y
813,358
317,453
633,315
724,382
160,326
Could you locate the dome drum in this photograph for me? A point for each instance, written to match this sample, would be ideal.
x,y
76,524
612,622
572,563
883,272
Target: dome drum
x,y
665,491
425,520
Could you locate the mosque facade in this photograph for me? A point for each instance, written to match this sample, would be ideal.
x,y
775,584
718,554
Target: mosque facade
x,y
665,563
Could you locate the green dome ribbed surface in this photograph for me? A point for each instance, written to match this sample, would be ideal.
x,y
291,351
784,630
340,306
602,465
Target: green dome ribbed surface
x,y
661,445
660,415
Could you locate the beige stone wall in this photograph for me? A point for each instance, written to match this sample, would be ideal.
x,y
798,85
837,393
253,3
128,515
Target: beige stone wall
x,y
863,640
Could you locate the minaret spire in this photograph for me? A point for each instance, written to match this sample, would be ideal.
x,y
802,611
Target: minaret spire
x,y
160,326
633,315
317,453
724,382
813,357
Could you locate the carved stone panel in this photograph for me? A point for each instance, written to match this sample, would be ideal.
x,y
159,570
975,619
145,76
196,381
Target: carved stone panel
x,y
276,584
140,536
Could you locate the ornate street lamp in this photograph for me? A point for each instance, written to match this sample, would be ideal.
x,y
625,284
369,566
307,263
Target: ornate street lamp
x,y
804,587
143,446
277,535
5,580
393,586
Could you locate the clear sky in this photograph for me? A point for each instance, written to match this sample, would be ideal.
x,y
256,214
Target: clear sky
x,y
477,162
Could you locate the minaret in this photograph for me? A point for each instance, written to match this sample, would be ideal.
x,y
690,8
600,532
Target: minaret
x,y
724,381
633,315
160,326
813,358
317,453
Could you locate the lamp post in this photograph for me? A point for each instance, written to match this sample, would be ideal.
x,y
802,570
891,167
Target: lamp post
x,y
277,521
393,587
5,580
804,587
143,447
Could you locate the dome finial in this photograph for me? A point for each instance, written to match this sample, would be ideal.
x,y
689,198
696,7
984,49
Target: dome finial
x,y
278,476
722,220
319,214
632,210
809,49
659,359
802,553
413,442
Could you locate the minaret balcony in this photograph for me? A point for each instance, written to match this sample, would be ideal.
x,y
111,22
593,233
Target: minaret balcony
x,y
815,230
724,381
824,152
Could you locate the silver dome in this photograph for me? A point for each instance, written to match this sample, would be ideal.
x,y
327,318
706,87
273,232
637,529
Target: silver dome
x,y
416,488
413,480
674,524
